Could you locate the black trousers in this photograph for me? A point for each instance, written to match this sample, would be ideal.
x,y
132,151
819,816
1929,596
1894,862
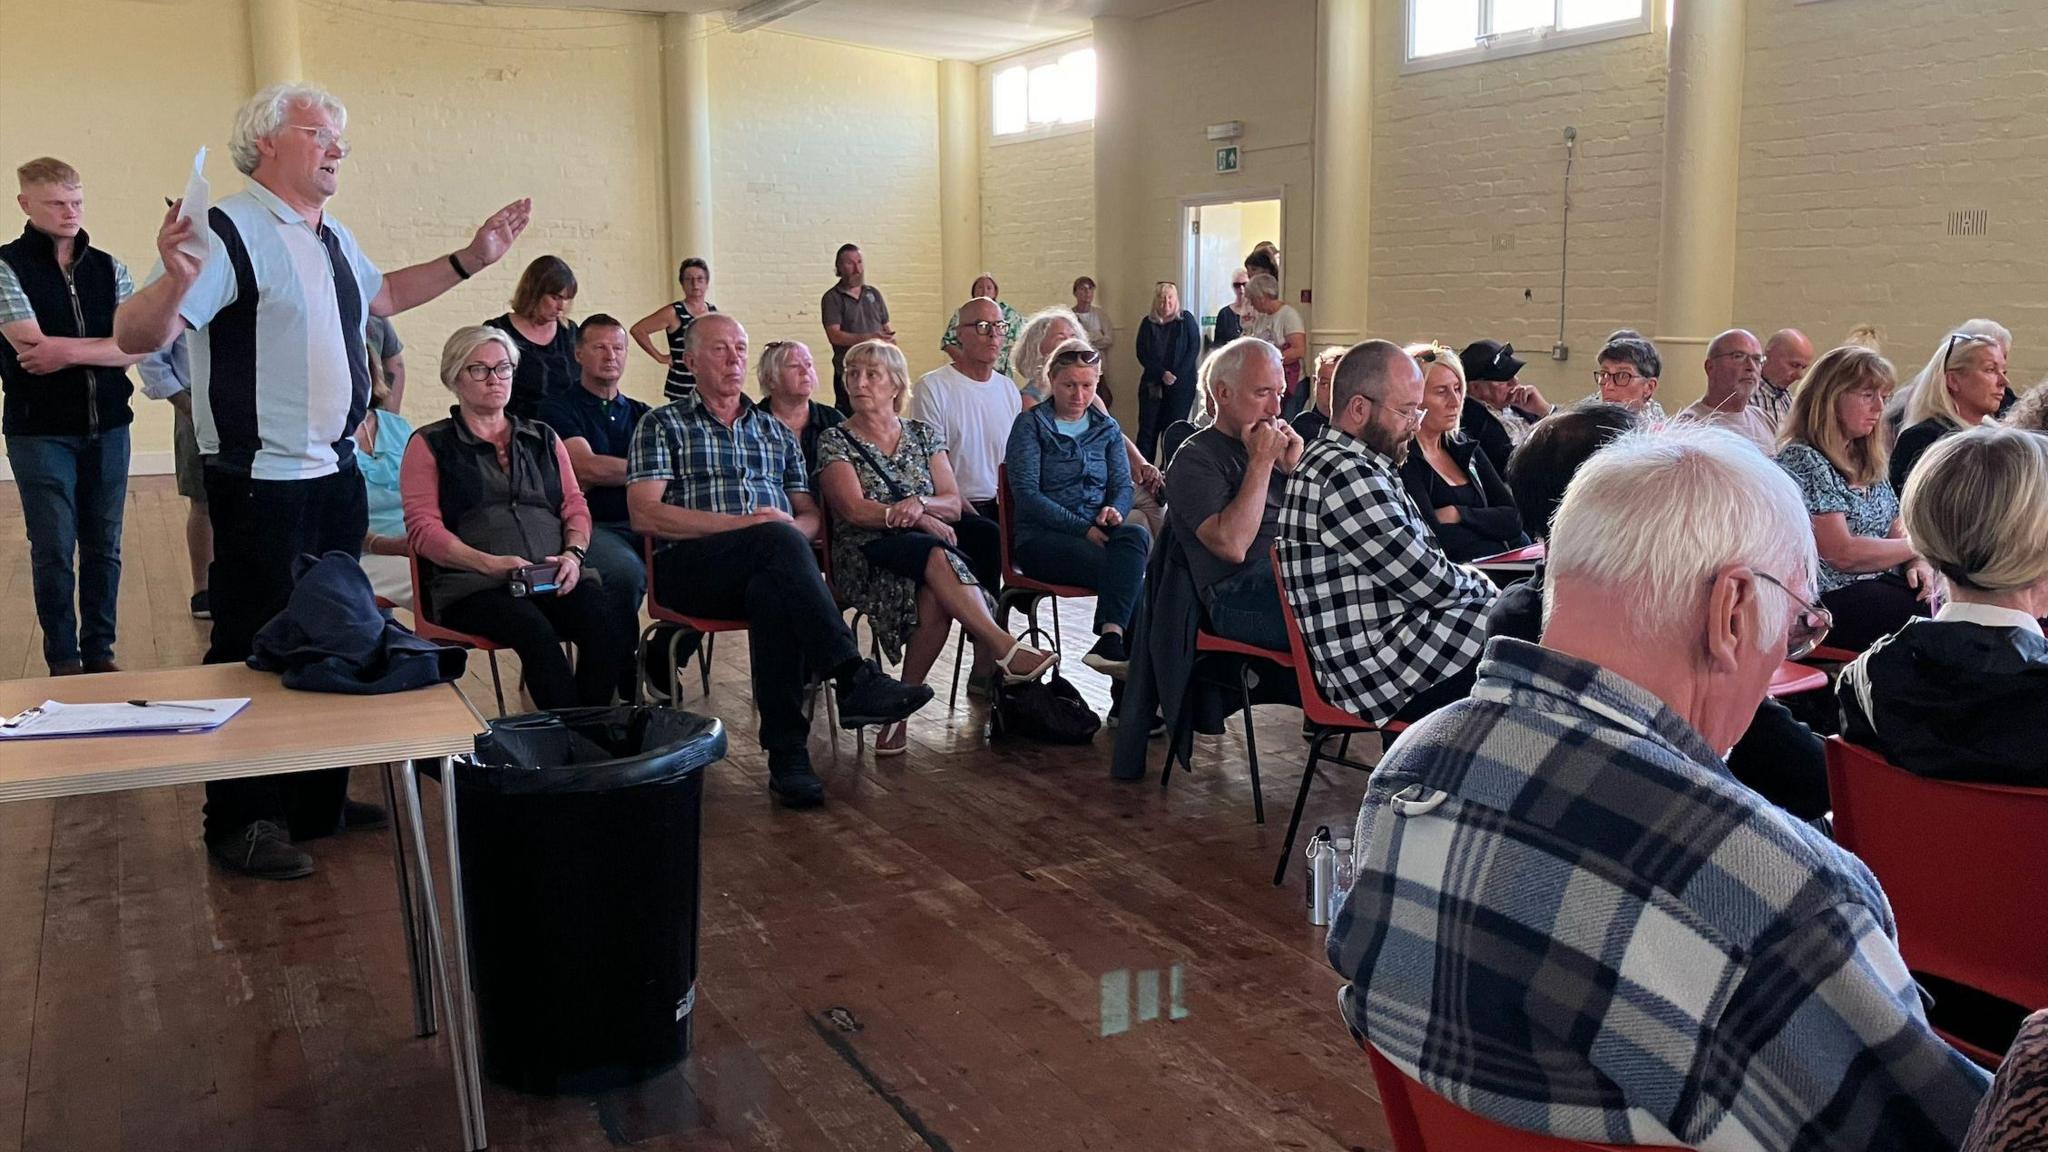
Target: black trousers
x,y
768,575
597,619
1869,610
259,527
981,541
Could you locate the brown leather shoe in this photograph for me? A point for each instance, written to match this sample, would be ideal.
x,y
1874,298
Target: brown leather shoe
x,y
101,666
68,670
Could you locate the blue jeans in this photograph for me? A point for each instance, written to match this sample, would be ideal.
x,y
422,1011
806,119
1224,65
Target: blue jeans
x,y
1116,570
72,490
615,555
1246,608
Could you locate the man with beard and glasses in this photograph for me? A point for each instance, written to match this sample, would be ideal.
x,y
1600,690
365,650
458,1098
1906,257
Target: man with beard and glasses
x,y
1393,628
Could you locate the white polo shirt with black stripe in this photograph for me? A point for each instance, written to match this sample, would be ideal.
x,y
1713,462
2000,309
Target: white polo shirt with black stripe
x,y
279,371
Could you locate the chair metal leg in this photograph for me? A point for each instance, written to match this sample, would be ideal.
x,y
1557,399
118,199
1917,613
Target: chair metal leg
x,y
704,659
1344,747
1251,741
1058,644
1308,774
497,687
468,1093
418,960
675,671
959,651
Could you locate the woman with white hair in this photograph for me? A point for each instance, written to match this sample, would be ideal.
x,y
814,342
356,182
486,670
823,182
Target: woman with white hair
x,y
1895,411
1964,696
1870,575
1963,386
1278,324
499,524
1169,351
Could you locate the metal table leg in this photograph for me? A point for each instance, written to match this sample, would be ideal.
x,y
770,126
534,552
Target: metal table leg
x,y
466,1000
419,961
468,1093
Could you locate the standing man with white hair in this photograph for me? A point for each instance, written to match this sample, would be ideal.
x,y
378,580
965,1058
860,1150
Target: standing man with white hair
x,y
1223,493
280,377
1570,918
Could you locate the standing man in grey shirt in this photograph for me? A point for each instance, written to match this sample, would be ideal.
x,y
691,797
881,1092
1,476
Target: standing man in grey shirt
x,y
852,311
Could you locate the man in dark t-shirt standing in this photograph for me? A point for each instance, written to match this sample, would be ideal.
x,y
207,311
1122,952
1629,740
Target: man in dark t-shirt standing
x,y
1223,494
852,311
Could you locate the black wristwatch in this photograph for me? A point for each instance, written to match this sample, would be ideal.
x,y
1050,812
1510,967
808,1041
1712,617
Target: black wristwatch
x,y
576,550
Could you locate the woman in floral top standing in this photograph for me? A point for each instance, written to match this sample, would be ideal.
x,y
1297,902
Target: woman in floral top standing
x,y
889,488
1870,577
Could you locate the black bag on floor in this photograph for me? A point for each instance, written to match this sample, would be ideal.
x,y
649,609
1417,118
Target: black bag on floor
x,y
1050,711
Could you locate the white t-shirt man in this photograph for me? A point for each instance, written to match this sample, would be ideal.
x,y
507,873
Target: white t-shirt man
x,y
1750,422
975,416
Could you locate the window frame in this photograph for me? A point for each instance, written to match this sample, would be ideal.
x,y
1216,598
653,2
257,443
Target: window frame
x,y
1027,60
1525,42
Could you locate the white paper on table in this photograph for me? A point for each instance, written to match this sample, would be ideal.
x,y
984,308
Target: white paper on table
x,y
52,718
194,208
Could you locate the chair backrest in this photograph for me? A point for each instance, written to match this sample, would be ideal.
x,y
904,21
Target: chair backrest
x,y
1003,519
1422,1121
1965,867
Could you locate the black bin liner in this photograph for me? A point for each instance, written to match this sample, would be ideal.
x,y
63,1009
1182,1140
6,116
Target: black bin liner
x,y
580,833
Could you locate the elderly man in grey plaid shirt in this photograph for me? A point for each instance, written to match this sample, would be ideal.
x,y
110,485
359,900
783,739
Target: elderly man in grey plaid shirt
x,y
1570,918
1393,628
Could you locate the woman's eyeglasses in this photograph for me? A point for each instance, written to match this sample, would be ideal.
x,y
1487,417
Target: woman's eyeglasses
x,y
481,372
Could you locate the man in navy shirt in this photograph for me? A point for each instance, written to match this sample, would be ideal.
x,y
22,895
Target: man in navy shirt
x,y
596,423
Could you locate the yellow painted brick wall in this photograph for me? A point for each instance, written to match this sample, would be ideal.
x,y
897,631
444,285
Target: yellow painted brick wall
x,y
814,145
1038,219
1863,126
1468,170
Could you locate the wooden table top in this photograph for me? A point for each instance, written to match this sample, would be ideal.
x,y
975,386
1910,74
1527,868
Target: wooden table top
x,y
280,731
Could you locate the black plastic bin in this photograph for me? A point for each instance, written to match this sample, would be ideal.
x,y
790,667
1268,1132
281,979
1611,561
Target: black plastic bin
x,y
579,877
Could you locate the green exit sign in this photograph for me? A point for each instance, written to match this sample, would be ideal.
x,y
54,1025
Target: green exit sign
x,y
1226,158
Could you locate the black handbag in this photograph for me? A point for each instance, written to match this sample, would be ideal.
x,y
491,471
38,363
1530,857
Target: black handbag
x,y
1050,711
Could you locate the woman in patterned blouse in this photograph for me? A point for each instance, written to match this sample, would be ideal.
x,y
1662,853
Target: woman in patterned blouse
x,y
889,488
1870,577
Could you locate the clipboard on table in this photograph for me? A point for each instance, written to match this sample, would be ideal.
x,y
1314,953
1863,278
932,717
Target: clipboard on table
x,y
54,720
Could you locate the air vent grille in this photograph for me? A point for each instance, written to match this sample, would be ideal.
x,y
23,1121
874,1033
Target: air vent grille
x,y
1969,222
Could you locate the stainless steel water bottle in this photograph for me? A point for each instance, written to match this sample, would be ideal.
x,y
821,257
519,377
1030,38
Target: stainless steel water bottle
x,y
1322,876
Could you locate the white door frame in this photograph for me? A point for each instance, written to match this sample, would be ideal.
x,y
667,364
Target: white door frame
x,y
1190,271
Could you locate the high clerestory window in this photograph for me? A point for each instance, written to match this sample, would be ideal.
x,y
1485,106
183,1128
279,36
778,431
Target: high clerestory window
x,y
1043,93
1445,33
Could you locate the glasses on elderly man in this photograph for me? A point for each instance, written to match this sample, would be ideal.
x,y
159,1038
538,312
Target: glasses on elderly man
x,y
502,370
990,327
1808,628
324,138
1753,359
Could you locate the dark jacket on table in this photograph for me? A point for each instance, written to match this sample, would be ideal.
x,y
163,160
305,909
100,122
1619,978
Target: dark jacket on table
x,y
331,637
1488,525
1175,346
1913,444
1058,484
76,302
1778,757
1953,700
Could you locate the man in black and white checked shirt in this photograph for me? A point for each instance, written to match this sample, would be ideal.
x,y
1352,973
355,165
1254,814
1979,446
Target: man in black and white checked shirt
x,y
1393,628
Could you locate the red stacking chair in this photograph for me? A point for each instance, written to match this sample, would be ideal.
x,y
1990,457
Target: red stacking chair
x,y
1422,1121
1325,718
1964,868
1240,656
424,627
705,626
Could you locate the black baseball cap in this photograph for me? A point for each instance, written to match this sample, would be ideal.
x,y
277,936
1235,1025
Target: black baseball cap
x,y
1490,360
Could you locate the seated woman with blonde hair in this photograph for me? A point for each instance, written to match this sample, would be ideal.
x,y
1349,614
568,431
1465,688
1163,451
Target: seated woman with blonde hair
x,y
1964,696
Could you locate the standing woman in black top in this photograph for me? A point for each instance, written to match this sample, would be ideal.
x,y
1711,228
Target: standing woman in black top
x,y
1170,353
675,319
539,324
1450,480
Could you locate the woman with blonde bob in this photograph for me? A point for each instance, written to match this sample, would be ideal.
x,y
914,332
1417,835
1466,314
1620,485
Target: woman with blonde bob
x,y
888,485
1833,447
1963,386
1964,696
1169,354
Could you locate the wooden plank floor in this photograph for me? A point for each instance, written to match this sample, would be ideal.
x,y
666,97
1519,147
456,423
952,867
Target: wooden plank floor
x,y
938,959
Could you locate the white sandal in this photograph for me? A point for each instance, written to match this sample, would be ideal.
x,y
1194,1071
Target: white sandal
x,y
1051,661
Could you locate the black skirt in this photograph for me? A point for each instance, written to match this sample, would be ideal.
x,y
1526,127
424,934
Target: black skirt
x,y
906,553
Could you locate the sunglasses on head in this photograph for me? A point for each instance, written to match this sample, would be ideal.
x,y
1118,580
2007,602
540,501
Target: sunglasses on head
x,y
1966,339
1086,357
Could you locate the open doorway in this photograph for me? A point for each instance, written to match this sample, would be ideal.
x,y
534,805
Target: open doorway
x,y
1216,235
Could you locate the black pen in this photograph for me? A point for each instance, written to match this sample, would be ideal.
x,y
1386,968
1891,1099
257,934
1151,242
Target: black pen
x,y
162,704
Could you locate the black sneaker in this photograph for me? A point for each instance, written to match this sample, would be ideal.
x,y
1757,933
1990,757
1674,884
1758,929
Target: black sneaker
x,y
871,698
202,607
361,816
1109,656
791,781
263,851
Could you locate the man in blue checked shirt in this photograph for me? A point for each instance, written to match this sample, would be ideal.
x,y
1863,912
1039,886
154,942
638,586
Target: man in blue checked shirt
x,y
1570,918
720,485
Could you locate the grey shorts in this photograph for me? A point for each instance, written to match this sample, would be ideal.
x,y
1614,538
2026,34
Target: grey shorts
x,y
188,464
